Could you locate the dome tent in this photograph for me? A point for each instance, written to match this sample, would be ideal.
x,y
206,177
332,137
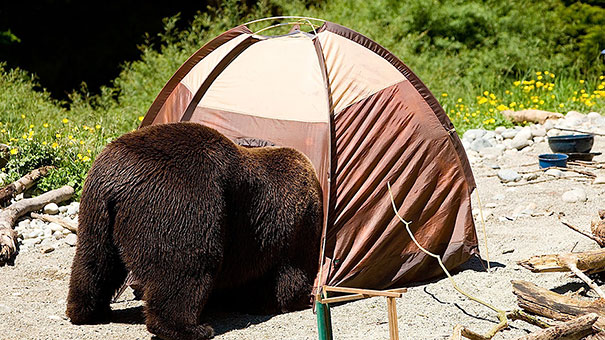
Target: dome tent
x,y
363,119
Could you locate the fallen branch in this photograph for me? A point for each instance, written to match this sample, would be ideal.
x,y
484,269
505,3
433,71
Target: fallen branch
x,y
555,306
578,326
577,263
9,216
69,225
23,183
598,240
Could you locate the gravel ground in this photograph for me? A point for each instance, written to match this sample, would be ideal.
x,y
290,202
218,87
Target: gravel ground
x,y
33,292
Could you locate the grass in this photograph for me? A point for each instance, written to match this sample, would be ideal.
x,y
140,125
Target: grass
x,y
479,57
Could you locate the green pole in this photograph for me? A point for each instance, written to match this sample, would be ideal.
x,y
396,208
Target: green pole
x,y
324,321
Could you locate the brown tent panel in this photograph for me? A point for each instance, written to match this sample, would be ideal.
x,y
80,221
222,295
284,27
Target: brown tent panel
x,y
363,119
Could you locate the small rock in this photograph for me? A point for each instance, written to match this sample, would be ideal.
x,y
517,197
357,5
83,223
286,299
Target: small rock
x,y
55,227
30,242
480,144
58,235
47,249
71,239
600,179
51,209
531,176
553,132
539,139
519,143
508,251
47,233
509,133
575,195
594,116
549,124
511,152
472,134
538,131
66,232
554,172
72,211
499,130
63,209
507,175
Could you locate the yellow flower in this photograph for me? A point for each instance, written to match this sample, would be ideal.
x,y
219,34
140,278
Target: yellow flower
x,y
539,77
88,150
22,116
54,145
507,92
538,73
140,118
539,84
31,126
81,142
552,75
546,72
58,135
3,131
513,104
541,102
517,83
502,107
482,100
45,125
85,158
486,93
65,120
85,127
581,81
24,136
459,101
44,143
14,151
70,137
561,105
97,126
79,156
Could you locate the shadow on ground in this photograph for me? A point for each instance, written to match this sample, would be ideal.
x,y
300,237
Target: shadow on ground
x,y
222,322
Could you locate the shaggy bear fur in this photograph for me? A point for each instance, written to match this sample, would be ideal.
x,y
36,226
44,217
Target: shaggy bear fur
x,y
190,213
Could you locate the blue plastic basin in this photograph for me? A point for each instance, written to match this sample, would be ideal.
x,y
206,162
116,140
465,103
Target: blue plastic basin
x,y
547,160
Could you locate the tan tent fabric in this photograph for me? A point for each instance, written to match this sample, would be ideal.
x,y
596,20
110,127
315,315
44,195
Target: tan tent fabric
x,y
363,119
354,71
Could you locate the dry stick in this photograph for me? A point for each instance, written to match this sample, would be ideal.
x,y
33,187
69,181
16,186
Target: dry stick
x,y
501,314
580,131
578,325
23,183
590,236
71,226
9,215
585,278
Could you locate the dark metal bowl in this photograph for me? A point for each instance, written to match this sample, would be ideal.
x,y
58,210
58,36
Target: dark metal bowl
x,y
571,143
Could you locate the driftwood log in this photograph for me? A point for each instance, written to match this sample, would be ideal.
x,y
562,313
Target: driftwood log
x,y
578,327
9,215
555,306
577,263
23,183
67,224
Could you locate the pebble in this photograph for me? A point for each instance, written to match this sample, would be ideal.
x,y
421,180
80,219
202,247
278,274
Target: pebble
x,y
531,176
480,144
51,209
55,227
507,175
23,224
473,134
510,133
63,209
508,251
575,195
31,241
58,235
554,172
538,131
71,239
47,249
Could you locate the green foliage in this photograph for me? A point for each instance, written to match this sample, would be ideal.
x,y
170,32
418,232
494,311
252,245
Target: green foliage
x,y
471,54
7,37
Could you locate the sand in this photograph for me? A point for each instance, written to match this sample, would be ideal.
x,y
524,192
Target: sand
x,y
33,291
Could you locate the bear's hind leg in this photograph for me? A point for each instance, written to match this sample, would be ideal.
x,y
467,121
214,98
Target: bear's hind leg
x,y
173,308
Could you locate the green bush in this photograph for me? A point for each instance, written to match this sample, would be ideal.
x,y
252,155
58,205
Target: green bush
x,y
479,57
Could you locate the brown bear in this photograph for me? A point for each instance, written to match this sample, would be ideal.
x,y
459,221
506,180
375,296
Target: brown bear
x,y
190,213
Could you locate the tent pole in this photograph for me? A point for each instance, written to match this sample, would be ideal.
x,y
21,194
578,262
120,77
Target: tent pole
x,y
324,321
